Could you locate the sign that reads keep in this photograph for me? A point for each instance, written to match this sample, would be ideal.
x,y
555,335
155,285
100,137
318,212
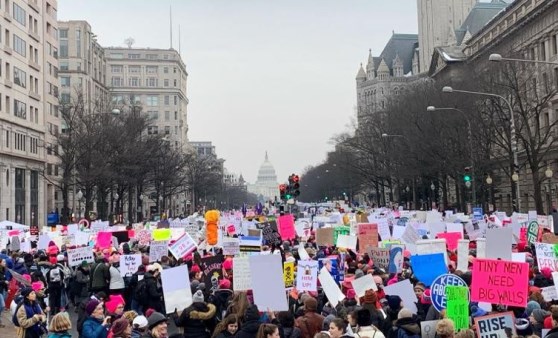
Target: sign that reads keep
x,y
500,282
76,256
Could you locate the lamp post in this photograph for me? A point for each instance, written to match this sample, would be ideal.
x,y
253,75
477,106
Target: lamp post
x,y
384,135
470,137
79,196
500,58
433,187
517,206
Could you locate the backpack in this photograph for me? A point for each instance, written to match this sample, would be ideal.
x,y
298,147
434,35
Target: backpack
x,y
141,292
55,275
14,316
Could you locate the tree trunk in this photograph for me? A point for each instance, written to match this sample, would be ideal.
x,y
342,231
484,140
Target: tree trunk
x,y
535,177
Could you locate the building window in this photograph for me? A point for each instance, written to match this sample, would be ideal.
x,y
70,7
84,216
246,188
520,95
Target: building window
x,y
167,130
153,115
133,56
167,100
34,145
152,130
63,33
152,100
19,183
175,115
167,115
19,141
166,83
63,65
175,100
19,14
553,44
20,46
117,99
151,69
116,81
134,69
166,70
65,81
20,109
151,82
116,68
151,56
20,77
134,81
78,42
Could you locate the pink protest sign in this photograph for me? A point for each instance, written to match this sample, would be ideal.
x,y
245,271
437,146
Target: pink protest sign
x,y
286,227
104,240
500,282
452,238
367,236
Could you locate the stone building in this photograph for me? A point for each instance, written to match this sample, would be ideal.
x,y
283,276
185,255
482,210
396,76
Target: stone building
x,y
266,186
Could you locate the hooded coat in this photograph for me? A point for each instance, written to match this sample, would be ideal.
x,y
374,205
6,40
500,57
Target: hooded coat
x,y
251,324
405,327
197,320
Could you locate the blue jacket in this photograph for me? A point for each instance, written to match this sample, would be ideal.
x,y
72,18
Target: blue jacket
x,y
9,264
92,328
59,335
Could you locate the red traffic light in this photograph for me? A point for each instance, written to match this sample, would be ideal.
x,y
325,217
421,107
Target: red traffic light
x,y
296,178
282,187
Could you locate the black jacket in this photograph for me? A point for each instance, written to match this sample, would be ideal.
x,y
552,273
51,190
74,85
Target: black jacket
x,y
249,329
552,333
154,294
197,320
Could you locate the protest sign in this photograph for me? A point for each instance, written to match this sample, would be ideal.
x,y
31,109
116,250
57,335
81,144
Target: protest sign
x,y
158,249
347,242
546,256
176,288
500,282
286,227
193,230
324,236
501,240
410,236
398,231
307,276
267,285
231,246
481,247
438,289
18,277
242,279
330,287
183,246
288,274
163,234
78,255
533,232
302,253
44,239
451,238
396,258
143,236
129,264
403,289
212,269
457,306
250,244
549,293
104,240
366,282
430,246
496,325
428,328
463,255
383,229
428,267
270,233
302,227
455,227
367,236
380,257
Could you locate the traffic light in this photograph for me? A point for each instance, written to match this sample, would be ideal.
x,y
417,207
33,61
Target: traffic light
x,y
295,186
467,175
282,191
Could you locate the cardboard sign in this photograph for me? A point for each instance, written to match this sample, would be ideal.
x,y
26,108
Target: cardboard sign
x,y
183,246
286,227
307,276
367,236
457,309
330,287
380,257
430,246
500,282
242,279
288,274
428,267
231,246
78,255
324,236
268,287
176,288
546,256
158,249
129,264
496,325
364,283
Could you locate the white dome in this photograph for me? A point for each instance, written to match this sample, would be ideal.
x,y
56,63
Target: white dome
x,y
266,174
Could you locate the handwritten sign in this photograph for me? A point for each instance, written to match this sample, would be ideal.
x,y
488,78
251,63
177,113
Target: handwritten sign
x,y
183,246
496,325
286,227
500,282
78,255
307,276
367,236
231,246
129,264
158,249
288,274
143,236
242,276
533,232
546,256
457,298
380,257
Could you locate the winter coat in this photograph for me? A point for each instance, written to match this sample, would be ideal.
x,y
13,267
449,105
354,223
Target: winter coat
x,y
552,333
116,280
59,335
154,293
26,323
197,320
310,324
405,327
369,332
99,277
221,300
3,280
249,329
20,267
82,283
292,332
224,334
93,328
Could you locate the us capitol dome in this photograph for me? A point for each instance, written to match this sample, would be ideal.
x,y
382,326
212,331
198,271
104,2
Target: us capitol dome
x,y
266,186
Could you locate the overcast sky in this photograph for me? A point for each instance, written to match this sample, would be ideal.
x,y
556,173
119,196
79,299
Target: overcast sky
x,y
263,75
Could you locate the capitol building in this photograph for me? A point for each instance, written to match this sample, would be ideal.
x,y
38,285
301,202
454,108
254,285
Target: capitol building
x,y
266,186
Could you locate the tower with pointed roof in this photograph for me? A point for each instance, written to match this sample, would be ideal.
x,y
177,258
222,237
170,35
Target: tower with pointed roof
x,y
266,186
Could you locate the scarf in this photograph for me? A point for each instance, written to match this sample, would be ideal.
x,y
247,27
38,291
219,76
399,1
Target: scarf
x,y
32,309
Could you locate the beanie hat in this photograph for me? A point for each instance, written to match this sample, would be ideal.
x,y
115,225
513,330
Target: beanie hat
x,y
198,297
532,305
252,313
90,307
370,297
224,284
119,326
546,272
311,304
228,264
363,317
540,315
404,313
26,291
394,302
149,312
155,319
358,273
327,320
425,299
351,294
378,280
195,268
140,322
112,303
37,286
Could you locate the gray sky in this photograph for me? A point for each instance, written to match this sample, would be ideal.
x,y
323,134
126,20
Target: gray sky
x,y
263,75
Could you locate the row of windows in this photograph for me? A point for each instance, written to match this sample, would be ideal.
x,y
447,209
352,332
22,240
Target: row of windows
x,y
154,130
155,115
150,100
19,109
137,69
117,81
20,142
136,56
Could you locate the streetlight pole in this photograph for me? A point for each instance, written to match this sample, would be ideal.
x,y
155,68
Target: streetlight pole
x,y
549,173
470,137
448,89
79,196
499,58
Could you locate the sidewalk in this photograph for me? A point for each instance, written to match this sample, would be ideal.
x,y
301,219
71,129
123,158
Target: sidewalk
x,y
9,331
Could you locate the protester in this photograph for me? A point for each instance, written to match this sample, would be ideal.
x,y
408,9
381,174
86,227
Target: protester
x,y
445,329
120,328
60,326
29,316
3,287
96,325
100,276
227,328
364,325
153,291
157,326
287,323
197,320
81,284
139,327
311,322
249,328
55,280
268,331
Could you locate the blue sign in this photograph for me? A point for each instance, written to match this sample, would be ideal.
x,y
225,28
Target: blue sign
x,y
438,289
331,265
428,267
52,218
478,214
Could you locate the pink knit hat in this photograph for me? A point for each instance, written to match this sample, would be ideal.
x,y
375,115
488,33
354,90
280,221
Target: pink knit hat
x,y
113,302
228,264
37,286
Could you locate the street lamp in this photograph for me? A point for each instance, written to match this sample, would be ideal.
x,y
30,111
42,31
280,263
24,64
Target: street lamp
x,y
500,58
470,137
79,196
448,89
384,135
489,180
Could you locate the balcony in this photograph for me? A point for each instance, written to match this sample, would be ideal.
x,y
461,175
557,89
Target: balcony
x,y
34,95
8,49
33,5
8,83
7,16
34,65
34,35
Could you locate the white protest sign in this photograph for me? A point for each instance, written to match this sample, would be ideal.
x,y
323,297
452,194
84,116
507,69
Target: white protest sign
x,y
176,288
383,229
428,328
346,241
436,227
267,282
463,255
129,264
25,246
242,279
44,239
183,246
454,227
158,249
501,240
78,255
410,235
398,231
73,228
192,230
307,276
549,293
366,282
481,247
231,246
546,257
302,253
430,246
331,289
81,238
403,289
518,257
